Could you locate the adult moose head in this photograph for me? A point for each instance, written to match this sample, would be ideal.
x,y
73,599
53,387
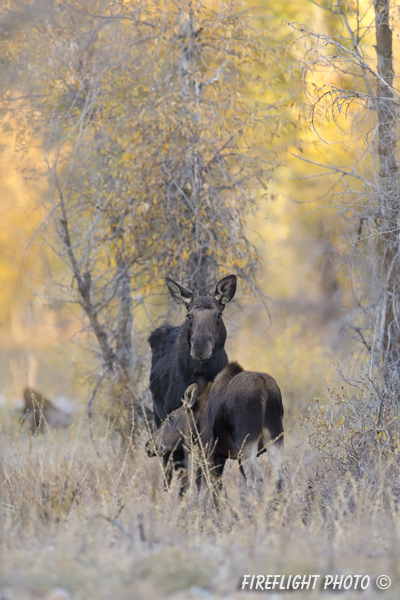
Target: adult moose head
x,y
205,328
190,353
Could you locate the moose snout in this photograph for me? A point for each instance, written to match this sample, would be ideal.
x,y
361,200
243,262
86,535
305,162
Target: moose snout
x,y
202,349
151,447
155,446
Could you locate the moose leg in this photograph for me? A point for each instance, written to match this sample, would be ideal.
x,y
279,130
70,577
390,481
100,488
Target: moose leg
x,y
216,472
176,461
212,477
168,469
243,484
276,460
275,455
249,468
180,464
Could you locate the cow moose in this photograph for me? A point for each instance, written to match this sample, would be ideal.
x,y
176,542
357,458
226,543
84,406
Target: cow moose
x,y
239,416
190,353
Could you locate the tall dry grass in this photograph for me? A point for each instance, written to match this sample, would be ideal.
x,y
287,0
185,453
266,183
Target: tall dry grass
x,y
100,525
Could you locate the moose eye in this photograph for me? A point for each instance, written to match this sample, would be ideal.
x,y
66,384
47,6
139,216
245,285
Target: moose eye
x,y
171,419
189,317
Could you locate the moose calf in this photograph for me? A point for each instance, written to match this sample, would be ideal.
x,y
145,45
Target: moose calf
x,y
238,416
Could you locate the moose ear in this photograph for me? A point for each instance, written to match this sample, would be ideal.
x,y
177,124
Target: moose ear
x,y
180,294
225,289
190,396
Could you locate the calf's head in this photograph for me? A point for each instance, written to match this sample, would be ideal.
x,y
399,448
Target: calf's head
x,y
205,327
176,427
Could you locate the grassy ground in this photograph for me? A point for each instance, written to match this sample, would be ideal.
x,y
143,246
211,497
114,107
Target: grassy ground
x,y
101,527
81,525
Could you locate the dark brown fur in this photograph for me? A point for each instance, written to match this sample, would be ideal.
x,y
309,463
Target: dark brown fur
x,y
194,350
191,353
239,416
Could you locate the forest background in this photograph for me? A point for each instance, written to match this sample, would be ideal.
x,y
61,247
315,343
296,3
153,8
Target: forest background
x,y
194,140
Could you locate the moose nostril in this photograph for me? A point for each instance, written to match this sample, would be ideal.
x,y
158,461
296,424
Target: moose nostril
x,y
150,448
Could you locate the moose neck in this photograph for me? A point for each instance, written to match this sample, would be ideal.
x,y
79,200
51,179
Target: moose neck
x,y
196,419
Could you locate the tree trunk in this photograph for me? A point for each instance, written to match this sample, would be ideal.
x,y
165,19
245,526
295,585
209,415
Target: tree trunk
x,y
388,191
199,267
124,321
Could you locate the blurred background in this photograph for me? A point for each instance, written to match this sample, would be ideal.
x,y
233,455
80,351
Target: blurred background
x,y
196,139
278,224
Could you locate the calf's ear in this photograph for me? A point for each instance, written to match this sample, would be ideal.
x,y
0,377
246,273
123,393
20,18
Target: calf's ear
x,y
180,294
225,289
190,395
